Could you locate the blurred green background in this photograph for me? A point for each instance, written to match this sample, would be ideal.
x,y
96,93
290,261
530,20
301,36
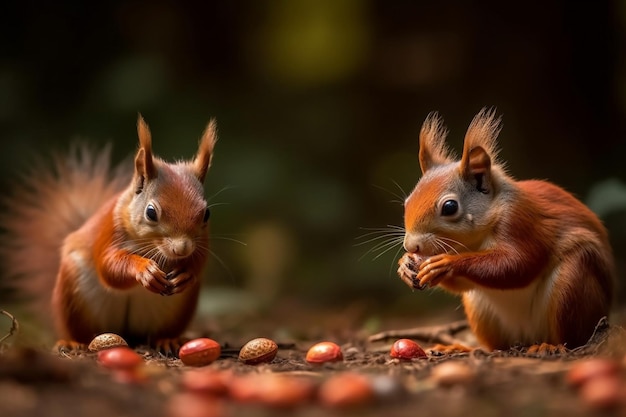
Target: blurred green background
x,y
319,105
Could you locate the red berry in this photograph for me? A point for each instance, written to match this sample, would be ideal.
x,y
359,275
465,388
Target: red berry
x,y
324,352
199,352
119,358
406,349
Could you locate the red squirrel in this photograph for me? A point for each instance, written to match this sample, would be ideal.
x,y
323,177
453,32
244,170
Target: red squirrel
x,y
533,264
127,248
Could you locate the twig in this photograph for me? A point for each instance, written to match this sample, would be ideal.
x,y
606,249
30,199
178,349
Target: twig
x,y
15,326
598,339
443,334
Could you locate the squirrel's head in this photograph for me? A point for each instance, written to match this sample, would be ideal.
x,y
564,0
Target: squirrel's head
x,y
448,210
167,209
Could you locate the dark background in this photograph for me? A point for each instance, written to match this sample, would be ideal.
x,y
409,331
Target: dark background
x,y
319,105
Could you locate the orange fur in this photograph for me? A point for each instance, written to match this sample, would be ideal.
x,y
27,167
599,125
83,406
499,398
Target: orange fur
x,y
532,262
119,271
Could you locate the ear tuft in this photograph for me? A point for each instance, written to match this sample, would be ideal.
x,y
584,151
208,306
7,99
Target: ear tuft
x,y
479,149
202,161
483,131
145,169
433,149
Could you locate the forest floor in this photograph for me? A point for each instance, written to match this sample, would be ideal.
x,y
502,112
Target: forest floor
x,y
38,382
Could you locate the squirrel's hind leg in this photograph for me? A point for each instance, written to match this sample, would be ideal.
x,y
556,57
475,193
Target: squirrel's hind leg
x,y
169,347
67,346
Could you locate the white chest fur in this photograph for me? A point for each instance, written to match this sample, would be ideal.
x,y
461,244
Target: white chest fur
x,y
520,313
134,311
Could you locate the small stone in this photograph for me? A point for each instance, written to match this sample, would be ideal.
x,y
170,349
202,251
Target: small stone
x,y
452,373
387,387
258,350
106,341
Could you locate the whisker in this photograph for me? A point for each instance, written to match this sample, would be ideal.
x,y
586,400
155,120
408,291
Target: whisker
x,y
440,246
387,228
225,188
139,249
390,229
383,239
229,239
394,260
385,189
385,243
455,242
389,246
154,254
403,194
381,243
160,258
446,246
200,244
210,206
400,197
375,238
389,243
222,264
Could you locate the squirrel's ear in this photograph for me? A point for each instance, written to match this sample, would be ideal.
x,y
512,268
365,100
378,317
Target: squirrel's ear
x,y
433,148
476,168
202,161
479,149
144,162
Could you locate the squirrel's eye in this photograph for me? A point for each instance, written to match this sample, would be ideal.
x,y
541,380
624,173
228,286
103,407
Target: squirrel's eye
x,y
207,214
449,208
151,213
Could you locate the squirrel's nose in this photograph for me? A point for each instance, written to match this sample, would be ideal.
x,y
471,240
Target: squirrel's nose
x,y
411,243
182,247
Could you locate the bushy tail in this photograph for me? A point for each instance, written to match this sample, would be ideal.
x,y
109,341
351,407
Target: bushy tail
x,y
43,207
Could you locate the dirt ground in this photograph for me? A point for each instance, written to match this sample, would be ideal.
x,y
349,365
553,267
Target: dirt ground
x,y
37,382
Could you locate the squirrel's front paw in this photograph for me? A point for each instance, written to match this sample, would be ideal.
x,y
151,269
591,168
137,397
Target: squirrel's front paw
x,y
407,271
179,281
434,270
153,279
